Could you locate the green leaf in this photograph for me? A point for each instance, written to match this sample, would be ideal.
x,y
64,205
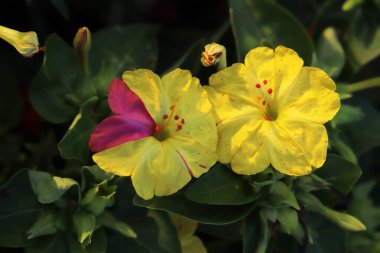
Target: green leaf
x,y
146,227
363,206
107,220
93,175
288,219
341,173
53,92
54,244
281,194
19,209
117,49
359,140
255,234
348,114
351,4
363,38
167,232
262,23
84,225
74,145
50,188
179,204
330,54
220,186
45,225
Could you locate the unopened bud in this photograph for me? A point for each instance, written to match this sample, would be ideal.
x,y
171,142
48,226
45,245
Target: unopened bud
x,y
26,43
46,224
343,220
214,54
82,45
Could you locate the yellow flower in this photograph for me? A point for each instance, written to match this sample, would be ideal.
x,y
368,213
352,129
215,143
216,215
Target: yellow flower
x,y
186,229
163,141
26,43
271,110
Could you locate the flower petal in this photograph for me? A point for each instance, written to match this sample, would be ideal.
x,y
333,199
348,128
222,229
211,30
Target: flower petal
x,y
285,154
163,172
233,81
116,130
123,101
148,87
260,64
312,98
252,156
288,66
311,137
234,132
197,157
122,160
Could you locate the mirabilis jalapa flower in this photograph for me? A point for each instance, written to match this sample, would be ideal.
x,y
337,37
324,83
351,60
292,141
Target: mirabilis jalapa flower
x,y
271,110
161,134
26,43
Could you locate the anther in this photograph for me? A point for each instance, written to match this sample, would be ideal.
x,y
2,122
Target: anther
x,y
176,117
171,107
179,127
183,121
269,91
265,82
158,128
258,86
264,102
267,117
165,116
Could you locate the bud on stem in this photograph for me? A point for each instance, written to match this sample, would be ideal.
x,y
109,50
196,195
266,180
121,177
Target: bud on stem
x,y
214,54
82,45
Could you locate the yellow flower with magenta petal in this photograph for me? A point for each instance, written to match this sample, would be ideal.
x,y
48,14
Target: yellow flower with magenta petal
x,y
271,110
161,134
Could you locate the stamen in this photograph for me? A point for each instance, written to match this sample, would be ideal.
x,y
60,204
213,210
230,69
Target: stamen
x,y
258,86
264,102
179,127
158,128
176,117
183,121
165,116
172,107
265,82
269,91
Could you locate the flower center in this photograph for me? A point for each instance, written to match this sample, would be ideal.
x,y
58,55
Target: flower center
x,y
169,123
265,101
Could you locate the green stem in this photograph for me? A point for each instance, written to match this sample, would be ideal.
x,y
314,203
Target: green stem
x,y
223,62
363,85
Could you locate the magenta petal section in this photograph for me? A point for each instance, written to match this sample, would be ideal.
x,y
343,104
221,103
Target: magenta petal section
x,y
116,130
124,101
130,122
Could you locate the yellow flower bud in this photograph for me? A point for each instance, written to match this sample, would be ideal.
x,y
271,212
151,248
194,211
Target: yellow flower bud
x,y
344,220
82,44
26,43
214,53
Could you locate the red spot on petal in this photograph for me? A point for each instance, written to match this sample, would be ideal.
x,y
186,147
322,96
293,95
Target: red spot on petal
x,y
265,82
165,116
183,121
269,91
202,166
258,85
176,117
